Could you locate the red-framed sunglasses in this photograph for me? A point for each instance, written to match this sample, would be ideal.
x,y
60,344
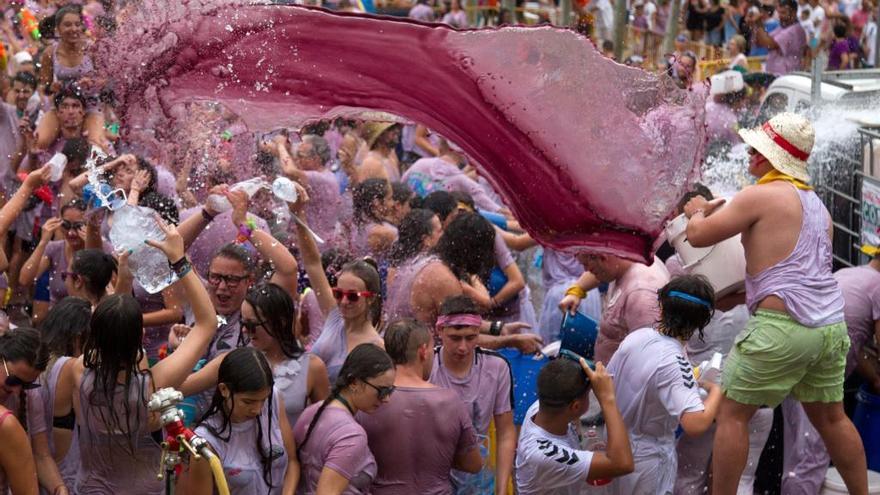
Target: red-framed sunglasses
x,y
351,295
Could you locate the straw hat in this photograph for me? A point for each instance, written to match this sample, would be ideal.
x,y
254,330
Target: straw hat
x,y
786,141
372,131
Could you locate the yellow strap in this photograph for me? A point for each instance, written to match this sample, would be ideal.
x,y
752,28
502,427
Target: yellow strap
x,y
774,175
575,290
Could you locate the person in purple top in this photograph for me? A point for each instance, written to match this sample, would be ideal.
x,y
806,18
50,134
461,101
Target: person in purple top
x,y
839,56
247,428
806,459
371,232
425,430
63,330
333,449
24,357
483,380
787,44
796,341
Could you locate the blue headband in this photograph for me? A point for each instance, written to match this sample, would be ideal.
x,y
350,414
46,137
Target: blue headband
x,y
688,297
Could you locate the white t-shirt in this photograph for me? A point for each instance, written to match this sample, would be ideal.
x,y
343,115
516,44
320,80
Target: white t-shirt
x,y
547,463
869,37
654,384
817,16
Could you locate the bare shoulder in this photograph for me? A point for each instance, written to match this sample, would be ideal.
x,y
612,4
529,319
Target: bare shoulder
x,y
433,271
316,363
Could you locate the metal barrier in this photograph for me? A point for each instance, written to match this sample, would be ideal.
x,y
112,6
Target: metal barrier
x,y
841,190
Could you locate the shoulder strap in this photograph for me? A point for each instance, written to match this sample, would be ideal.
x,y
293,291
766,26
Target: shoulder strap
x,y
488,352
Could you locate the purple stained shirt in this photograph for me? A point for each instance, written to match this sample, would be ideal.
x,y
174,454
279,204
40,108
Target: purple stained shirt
x,y
311,309
325,203
486,390
792,41
9,138
337,442
57,265
629,304
399,431
861,292
836,52
431,174
422,12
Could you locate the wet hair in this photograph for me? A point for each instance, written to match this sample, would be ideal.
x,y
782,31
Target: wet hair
x,y
244,370
561,382
24,344
144,164
460,304
839,30
333,260
697,189
276,309
366,270
401,193
95,267
25,78
68,9
413,230
463,198
238,253
316,128
65,326
69,90
680,317
319,146
74,204
403,339
363,362
77,150
161,204
363,196
440,202
467,246
114,347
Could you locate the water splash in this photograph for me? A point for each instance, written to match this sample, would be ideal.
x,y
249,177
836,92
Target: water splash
x,y
586,152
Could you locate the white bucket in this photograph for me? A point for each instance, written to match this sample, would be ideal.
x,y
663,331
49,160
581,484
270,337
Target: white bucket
x,y
724,264
834,483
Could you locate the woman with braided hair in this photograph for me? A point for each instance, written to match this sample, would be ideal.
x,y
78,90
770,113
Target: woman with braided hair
x,y
22,358
332,446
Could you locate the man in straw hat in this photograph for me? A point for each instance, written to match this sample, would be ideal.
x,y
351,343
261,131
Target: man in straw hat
x,y
796,341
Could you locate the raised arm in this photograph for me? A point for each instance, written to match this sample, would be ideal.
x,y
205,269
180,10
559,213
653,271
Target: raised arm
x,y
192,227
312,257
617,460
171,371
38,263
15,205
283,263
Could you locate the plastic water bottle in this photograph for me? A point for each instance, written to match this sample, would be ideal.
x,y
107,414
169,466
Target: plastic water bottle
x,y
595,443
131,225
219,203
284,189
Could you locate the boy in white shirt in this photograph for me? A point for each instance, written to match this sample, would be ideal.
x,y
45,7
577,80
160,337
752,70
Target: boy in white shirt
x,y
548,456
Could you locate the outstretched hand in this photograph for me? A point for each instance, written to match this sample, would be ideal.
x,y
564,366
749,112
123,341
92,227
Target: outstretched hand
x,y
172,245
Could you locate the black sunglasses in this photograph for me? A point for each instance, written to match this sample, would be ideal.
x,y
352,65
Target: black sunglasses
x,y
68,225
382,392
14,381
231,280
251,326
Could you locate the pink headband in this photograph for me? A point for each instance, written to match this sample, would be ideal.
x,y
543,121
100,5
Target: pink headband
x,y
459,320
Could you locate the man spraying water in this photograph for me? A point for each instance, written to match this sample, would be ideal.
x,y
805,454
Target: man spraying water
x,y
796,340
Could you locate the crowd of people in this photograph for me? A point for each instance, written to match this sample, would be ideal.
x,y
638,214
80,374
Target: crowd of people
x,y
352,339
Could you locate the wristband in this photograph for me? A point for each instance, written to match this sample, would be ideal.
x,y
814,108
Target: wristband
x,y
207,216
181,267
245,231
577,291
495,328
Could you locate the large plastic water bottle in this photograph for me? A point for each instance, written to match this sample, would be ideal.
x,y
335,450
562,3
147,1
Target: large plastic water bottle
x,y
219,203
131,226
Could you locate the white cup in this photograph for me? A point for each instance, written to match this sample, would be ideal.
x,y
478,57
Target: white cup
x,y
57,164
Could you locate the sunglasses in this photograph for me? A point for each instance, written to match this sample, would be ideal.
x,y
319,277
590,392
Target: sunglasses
x,y
232,281
382,392
68,225
14,381
352,295
251,326
66,275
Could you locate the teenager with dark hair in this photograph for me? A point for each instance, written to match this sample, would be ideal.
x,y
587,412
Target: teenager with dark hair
x,y
332,447
24,357
246,427
268,318
352,308
656,388
483,381
109,387
425,430
64,331
89,274
372,232
549,457
419,232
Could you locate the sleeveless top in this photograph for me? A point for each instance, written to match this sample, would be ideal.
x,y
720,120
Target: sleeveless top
x,y
332,345
292,385
57,265
241,461
803,280
70,465
64,74
113,461
398,304
359,242
154,337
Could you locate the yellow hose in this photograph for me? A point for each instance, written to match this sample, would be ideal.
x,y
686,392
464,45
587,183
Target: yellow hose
x,y
217,470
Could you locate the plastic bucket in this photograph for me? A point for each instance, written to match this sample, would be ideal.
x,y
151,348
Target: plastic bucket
x,y
525,369
724,264
867,420
578,334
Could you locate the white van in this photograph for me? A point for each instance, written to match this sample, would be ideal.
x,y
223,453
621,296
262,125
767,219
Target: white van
x,y
847,88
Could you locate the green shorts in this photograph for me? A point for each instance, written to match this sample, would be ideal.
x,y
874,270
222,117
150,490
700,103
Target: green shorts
x,y
775,356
